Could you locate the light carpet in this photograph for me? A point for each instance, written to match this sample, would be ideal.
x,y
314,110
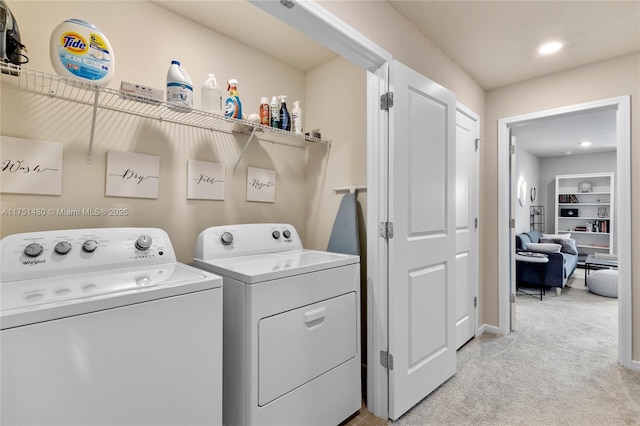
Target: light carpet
x,y
559,368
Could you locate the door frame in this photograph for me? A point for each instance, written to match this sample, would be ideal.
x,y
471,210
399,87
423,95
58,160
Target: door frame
x,y
461,108
316,22
623,212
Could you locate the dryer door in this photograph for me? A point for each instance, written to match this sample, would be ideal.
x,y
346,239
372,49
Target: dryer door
x,y
297,346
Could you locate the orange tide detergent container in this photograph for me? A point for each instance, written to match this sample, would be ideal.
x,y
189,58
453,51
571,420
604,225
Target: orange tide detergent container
x,y
79,50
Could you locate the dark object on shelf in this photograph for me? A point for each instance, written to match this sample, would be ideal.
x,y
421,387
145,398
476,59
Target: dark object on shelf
x,y
536,218
312,134
569,212
11,46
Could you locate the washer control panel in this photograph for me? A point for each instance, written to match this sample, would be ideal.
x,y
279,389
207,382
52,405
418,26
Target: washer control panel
x,y
246,239
53,253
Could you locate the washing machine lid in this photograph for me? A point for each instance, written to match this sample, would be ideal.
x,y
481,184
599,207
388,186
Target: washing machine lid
x,y
271,266
43,299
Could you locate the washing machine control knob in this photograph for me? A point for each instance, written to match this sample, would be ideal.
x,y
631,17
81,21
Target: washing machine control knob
x,y
33,250
226,238
275,235
143,242
286,233
90,246
63,247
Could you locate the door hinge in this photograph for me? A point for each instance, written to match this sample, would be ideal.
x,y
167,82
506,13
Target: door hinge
x,y
475,302
386,101
386,360
513,298
475,223
386,230
512,223
512,149
477,144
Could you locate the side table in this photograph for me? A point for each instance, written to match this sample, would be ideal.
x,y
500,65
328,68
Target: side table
x,y
538,258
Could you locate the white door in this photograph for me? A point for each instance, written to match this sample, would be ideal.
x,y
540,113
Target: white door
x,y
422,249
467,145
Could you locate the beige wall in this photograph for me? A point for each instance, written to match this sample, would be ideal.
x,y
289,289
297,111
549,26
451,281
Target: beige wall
x,y
143,53
340,87
616,77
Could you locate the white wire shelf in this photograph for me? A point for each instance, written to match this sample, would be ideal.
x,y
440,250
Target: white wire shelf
x,y
99,97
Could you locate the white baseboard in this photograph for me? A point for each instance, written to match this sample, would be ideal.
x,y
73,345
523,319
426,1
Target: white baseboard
x,y
635,365
487,328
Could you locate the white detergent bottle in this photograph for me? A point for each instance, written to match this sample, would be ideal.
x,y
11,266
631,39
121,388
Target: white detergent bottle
x,y
211,95
275,113
179,87
296,118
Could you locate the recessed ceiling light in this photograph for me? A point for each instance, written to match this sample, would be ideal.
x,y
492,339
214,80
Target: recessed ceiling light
x,y
549,48
585,144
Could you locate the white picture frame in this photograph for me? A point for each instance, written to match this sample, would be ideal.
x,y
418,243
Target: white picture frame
x,y
261,185
132,175
30,166
205,180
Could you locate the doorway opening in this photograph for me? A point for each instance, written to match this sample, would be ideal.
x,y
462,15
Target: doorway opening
x,y
506,231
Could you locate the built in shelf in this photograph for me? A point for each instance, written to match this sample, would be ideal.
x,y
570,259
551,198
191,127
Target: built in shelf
x,y
99,97
590,210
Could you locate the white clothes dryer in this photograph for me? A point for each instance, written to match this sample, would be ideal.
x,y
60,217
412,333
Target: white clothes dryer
x,y
105,327
291,326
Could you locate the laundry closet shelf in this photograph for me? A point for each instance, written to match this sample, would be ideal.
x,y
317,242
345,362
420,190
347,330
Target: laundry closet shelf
x,y
106,98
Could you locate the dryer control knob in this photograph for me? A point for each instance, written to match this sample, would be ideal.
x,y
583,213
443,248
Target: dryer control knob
x,y
90,246
286,233
275,234
63,247
143,242
226,238
33,250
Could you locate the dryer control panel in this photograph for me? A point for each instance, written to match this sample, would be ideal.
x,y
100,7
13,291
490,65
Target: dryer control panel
x,y
54,253
247,239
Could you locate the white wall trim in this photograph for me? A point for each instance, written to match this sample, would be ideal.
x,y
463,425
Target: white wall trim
x,y
623,226
377,248
623,178
476,207
504,231
486,328
327,29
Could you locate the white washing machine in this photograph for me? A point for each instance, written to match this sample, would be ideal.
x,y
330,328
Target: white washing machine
x,y
105,327
291,326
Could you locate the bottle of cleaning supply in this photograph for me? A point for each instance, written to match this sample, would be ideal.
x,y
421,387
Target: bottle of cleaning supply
x,y
179,87
233,106
296,118
79,50
265,111
211,95
285,118
275,114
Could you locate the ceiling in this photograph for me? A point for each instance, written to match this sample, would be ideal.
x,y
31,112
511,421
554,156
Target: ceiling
x,y
244,22
561,135
495,42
